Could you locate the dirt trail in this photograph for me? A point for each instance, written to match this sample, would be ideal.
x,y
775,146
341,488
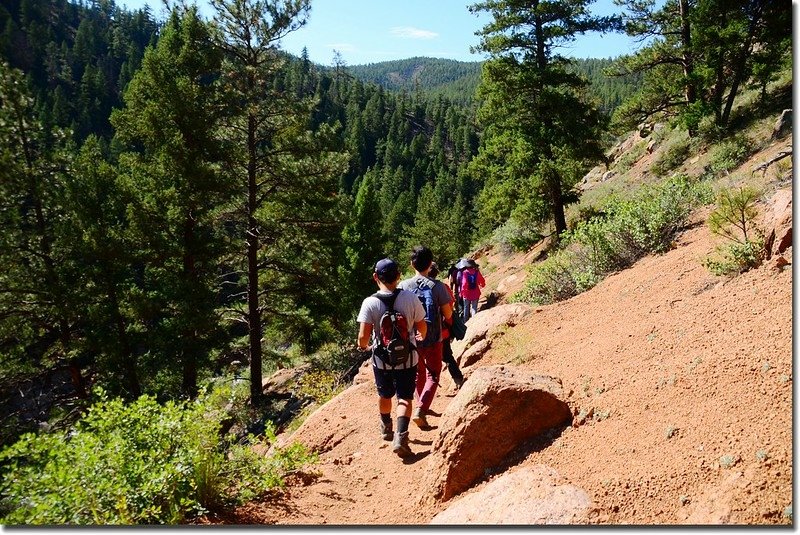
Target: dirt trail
x,y
690,380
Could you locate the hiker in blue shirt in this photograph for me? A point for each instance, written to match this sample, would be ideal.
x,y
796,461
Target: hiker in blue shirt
x,y
395,378
436,302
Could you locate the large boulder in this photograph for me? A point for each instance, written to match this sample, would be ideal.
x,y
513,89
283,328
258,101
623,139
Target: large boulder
x,y
496,410
485,325
282,382
529,495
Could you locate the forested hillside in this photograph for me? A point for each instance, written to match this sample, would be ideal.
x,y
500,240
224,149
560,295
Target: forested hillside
x,y
458,80
185,208
78,59
137,240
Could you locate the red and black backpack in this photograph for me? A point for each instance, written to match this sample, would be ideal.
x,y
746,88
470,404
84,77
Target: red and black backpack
x,y
393,345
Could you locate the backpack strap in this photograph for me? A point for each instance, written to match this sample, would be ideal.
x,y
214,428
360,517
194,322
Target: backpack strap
x,y
388,300
426,282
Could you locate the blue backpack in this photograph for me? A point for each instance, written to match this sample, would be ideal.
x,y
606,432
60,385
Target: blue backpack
x,y
424,291
472,280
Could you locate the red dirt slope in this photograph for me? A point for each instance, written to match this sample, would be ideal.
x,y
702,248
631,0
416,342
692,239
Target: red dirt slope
x,y
690,380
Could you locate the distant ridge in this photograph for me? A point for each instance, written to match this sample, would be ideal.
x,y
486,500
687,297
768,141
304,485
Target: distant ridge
x,y
458,80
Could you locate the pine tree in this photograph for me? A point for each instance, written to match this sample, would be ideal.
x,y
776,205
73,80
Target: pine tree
x,y
173,111
703,52
284,171
37,320
107,283
528,92
363,242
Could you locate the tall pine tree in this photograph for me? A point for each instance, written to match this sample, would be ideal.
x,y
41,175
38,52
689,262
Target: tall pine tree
x,y
529,94
173,111
286,177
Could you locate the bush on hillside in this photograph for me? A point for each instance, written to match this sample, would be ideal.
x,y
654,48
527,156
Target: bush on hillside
x,y
729,154
137,463
327,376
514,237
734,219
630,229
674,154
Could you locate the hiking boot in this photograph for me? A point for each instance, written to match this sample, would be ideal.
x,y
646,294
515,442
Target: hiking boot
x,y
400,445
459,383
386,431
419,418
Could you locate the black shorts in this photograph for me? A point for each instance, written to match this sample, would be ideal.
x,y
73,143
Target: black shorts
x,y
401,382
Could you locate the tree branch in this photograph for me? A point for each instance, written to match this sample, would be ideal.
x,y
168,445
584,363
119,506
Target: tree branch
x,y
763,167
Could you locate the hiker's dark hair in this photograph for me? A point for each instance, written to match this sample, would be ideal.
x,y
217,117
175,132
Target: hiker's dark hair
x,y
421,258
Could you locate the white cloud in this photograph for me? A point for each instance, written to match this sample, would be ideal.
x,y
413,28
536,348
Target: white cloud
x,y
409,32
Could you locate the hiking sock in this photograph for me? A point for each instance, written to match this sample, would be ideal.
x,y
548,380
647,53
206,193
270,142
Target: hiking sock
x,y
386,426
402,424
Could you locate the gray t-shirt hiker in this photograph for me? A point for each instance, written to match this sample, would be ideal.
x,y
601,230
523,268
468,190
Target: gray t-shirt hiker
x,y
440,295
408,305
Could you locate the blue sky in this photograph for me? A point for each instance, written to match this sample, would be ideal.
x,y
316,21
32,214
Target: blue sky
x,y
370,31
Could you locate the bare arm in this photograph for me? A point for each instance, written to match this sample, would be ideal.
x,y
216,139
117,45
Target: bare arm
x,y
422,330
364,332
447,311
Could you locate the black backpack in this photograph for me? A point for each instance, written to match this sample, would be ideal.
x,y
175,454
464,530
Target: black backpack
x,y
392,345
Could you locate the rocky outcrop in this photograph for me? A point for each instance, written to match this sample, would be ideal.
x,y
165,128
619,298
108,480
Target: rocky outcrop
x,y
496,410
280,383
783,125
777,223
530,495
484,326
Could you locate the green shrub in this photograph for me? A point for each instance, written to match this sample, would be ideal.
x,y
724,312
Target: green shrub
x,y
736,258
709,131
137,463
512,236
630,229
734,219
550,281
673,155
648,223
729,154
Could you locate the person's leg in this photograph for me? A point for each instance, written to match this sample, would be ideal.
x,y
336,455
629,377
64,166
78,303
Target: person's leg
x,y
433,370
474,304
467,309
385,409
405,380
386,390
452,365
420,376
421,386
